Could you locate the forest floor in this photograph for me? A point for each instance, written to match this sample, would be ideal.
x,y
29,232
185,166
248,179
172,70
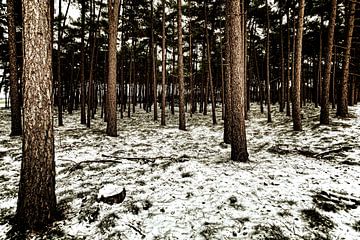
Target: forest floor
x,y
182,185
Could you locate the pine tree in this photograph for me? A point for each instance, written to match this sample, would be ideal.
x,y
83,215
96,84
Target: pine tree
x,y
36,205
113,11
342,107
16,129
237,68
182,124
324,113
296,98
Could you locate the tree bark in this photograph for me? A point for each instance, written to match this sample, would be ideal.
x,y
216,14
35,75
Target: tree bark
x,y
16,129
210,78
288,81
82,66
342,107
163,82
297,81
113,11
268,102
182,124
282,80
59,83
227,79
238,137
36,205
153,62
324,113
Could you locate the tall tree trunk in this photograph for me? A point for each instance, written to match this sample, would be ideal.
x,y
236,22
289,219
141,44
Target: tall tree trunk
x,y
82,65
238,138
163,53
324,113
282,80
297,81
227,80
268,97
182,124
191,78
210,78
333,81
59,83
153,62
113,11
16,129
36,206
288,65
320,77
342,107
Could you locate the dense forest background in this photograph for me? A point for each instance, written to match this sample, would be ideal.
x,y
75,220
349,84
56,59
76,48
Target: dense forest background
x,y
139,53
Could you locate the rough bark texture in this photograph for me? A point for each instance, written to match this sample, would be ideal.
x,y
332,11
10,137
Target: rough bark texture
x,y
182,125
227,80
16,129
36,205
238,138
296,99
163,83
324,113
113,10
342,107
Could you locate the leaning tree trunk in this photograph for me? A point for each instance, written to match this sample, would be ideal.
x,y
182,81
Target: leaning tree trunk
x,y
16,129
113,11
36,205
342,107
324,113
238,137
182,125
296,99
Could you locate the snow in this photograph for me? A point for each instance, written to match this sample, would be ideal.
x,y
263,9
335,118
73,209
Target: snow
x,y
182,185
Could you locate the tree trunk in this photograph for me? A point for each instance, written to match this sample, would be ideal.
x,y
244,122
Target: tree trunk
x,y
82,65
288,81
16,129
191,79
320,77
210,78
59,83
282,80
182,125
113,11
163,82
324,113
227,79
36,205
238,138
268,64
342,107
297,81
153,62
